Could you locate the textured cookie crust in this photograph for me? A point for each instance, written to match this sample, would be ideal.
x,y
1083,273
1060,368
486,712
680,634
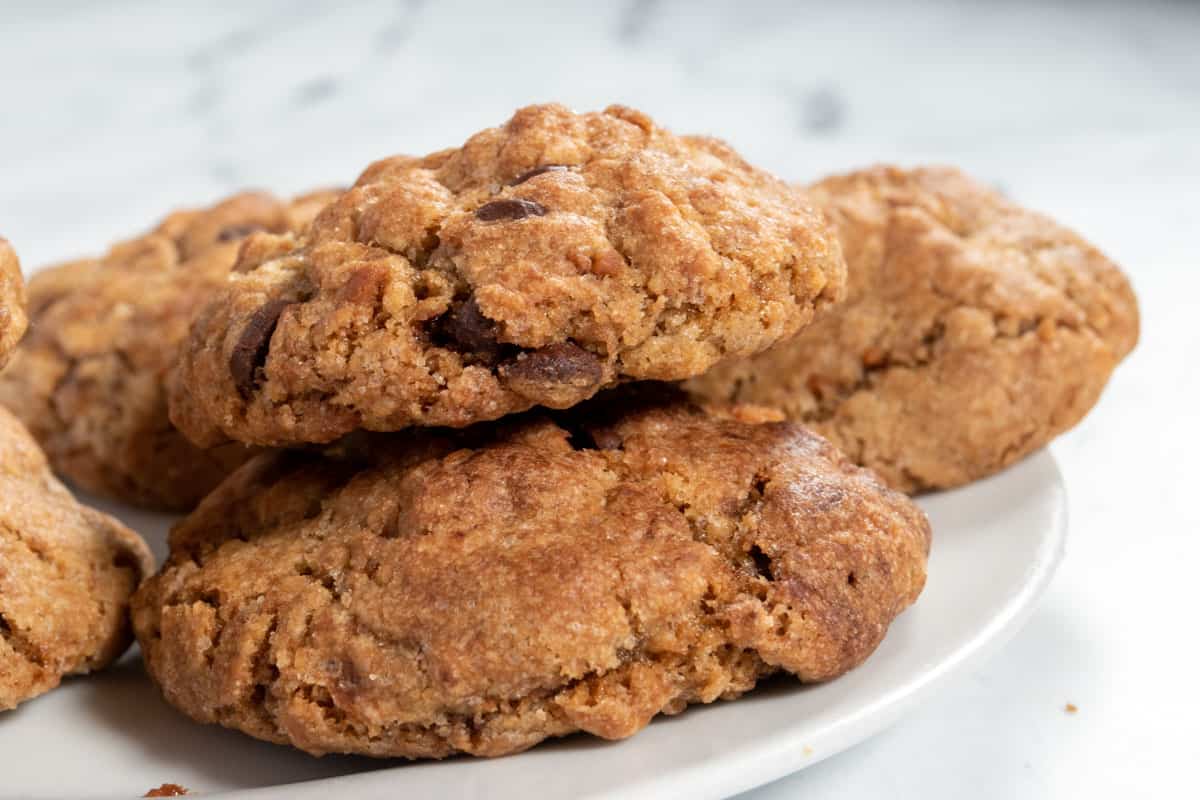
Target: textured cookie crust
x,y
479,592
538,263
973,333
12,301
88,381
66,574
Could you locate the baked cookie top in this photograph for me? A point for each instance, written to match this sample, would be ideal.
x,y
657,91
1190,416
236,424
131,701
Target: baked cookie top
x,y
580,570
66,574
538,263
974,331
12,301
88,380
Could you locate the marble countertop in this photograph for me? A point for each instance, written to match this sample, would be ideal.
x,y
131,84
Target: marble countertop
x,y
114,113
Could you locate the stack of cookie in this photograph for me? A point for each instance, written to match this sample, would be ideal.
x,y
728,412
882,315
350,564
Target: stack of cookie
x,y
507,442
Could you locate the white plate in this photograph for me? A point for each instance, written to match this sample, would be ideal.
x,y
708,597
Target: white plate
x,y
996,544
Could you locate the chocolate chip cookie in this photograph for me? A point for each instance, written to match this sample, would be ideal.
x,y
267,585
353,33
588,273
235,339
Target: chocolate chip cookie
x,y
88,381
12,301
441,592
973,333
66,574
538,263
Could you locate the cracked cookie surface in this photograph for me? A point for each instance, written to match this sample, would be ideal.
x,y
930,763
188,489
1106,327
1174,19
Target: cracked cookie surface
x,y
12,301
973,331
66,574
538,263
438,592
88,380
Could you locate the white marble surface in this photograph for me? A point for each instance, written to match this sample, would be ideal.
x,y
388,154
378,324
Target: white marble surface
x,y
115,112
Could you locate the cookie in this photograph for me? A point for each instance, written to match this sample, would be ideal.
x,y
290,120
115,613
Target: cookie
x,y
426,594
538,263
12,301
88,381
973,333
66,574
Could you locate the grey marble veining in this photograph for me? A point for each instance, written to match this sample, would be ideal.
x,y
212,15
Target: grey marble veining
x,y
165,103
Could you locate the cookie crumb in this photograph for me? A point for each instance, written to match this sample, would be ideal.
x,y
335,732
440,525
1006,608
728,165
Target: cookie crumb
x,y
1070,708
167,790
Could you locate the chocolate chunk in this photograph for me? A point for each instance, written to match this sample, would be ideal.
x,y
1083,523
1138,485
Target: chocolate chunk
x,y
231,232
465,328
564,363
509,209
533,173
250,352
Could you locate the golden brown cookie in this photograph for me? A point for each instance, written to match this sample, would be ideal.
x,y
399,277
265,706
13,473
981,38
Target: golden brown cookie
x,y
88,380
424,594
538,263
66,574
973,333
12,301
